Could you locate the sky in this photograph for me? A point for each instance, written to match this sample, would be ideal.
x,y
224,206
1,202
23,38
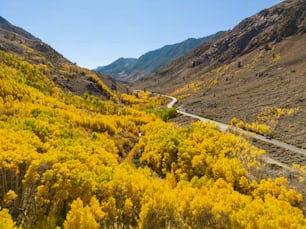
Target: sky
x,y
94,33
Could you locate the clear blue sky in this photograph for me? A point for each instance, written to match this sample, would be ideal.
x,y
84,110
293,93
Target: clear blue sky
x,y
96,32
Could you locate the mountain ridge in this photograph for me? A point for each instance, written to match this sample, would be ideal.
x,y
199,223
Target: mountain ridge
x,y
151,61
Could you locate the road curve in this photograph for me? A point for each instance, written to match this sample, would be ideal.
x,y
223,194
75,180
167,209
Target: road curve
x,y
223,127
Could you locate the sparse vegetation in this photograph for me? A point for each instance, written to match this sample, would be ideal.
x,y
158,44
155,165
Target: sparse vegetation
x,y
266,121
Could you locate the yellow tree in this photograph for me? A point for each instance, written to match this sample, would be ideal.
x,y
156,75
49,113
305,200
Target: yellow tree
x,y
80,217
268,213
6,221
160,208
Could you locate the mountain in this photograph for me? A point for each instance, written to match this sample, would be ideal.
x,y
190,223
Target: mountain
x,y
119,69
248,72
131,69
62,72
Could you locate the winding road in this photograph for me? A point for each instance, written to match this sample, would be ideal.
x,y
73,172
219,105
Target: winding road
x,y
223,127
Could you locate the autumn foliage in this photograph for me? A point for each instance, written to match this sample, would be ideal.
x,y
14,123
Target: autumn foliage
x,y
79,162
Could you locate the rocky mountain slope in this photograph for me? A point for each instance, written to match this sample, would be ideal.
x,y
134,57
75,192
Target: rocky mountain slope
x,y
131,69
248,72
65,74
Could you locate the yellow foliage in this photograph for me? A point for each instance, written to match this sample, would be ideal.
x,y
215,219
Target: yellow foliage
x,y
300,169
277,189
9,197
255,127
111,95
277,56
266,120
80,217
6,221
131,99
189,87
159,210
268,213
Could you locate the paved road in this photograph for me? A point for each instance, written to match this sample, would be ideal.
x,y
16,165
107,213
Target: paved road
x,y
223,127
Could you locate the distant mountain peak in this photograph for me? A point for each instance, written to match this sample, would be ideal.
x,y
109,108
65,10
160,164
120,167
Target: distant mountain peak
x,y
131,69
2,20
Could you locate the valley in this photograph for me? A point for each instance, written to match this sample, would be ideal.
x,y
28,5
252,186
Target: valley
x,y
213,138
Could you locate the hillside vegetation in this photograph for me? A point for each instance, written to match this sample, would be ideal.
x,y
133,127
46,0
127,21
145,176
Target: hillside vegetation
x,y
69,161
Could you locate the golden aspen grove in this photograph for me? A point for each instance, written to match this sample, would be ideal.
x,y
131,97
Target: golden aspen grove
x,y
69,161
